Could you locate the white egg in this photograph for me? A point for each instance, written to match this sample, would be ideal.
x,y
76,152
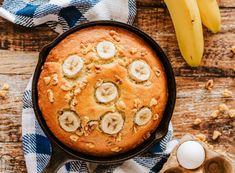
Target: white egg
x,y
190,155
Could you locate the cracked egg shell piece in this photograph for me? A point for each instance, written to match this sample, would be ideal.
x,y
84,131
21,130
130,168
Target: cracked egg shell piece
x,y
96,142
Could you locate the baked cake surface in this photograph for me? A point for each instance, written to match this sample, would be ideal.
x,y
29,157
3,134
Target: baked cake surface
x,y
102,90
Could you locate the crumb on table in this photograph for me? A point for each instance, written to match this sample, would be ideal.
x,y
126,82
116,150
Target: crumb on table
x,y
209,84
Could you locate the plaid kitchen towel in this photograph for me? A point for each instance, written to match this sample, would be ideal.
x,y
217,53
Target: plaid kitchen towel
x,y
37,149
64,14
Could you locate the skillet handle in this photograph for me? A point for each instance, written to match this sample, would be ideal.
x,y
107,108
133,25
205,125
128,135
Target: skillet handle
x,y
57,160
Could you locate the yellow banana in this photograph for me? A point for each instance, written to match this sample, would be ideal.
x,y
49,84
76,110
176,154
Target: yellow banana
x,y
188,27
210,14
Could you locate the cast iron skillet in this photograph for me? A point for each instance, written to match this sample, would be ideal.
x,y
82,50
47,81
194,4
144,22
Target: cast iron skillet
x,y
61,153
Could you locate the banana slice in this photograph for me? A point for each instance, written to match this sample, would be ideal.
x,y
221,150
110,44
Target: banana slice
x,y
139,71
112,123
69,121
106,92
143,116
72,66
106,49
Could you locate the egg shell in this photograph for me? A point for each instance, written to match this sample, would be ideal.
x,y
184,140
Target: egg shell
x,y
191,155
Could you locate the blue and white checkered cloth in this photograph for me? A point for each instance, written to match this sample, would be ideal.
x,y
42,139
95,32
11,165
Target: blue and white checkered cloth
x,y
62,15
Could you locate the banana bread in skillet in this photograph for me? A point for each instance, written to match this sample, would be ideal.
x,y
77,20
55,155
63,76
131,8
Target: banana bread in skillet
x,y
102,90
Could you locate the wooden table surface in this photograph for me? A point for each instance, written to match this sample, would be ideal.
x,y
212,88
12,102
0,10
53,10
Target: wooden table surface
x,y
19,47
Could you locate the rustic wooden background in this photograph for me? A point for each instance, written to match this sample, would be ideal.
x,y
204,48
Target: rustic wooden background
x,y
19,47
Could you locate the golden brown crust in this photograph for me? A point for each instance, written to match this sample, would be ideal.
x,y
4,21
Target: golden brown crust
x,y
96,142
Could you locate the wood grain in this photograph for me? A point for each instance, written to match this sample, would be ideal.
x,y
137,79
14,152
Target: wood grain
x,y
160,3
19,47
12,158
218,60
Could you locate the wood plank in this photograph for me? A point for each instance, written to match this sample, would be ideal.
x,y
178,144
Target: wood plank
x,y
160,3
14,63
218,60
194,101
12,158
16,37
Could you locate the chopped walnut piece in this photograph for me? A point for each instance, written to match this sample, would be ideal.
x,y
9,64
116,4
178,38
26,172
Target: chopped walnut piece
x,y
90,145
231,113
148,83
113,109
50,95
91,125
116,149
233,49
123,62
109,143
3,94
223,107
147,135
215,114
74,102
134,110
118,79
80,132
121,105
119,137
197,121
143,52
66,87
93,122
209,84
47,80
116,38
54,79
89,67
86,48
77,91
68,97
5,87
201,137
135,129
153,102
98,68
86,118
227,93
121,53
82,45
74,138
115,35
82,85
99,83
157,71
133,51
85,133
112,33
137,103
216,135
156,116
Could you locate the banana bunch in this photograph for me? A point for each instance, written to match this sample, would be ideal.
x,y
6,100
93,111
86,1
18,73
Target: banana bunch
x,y
187,17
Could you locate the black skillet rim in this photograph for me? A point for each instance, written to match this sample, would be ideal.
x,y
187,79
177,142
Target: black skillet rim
x,y
156,136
